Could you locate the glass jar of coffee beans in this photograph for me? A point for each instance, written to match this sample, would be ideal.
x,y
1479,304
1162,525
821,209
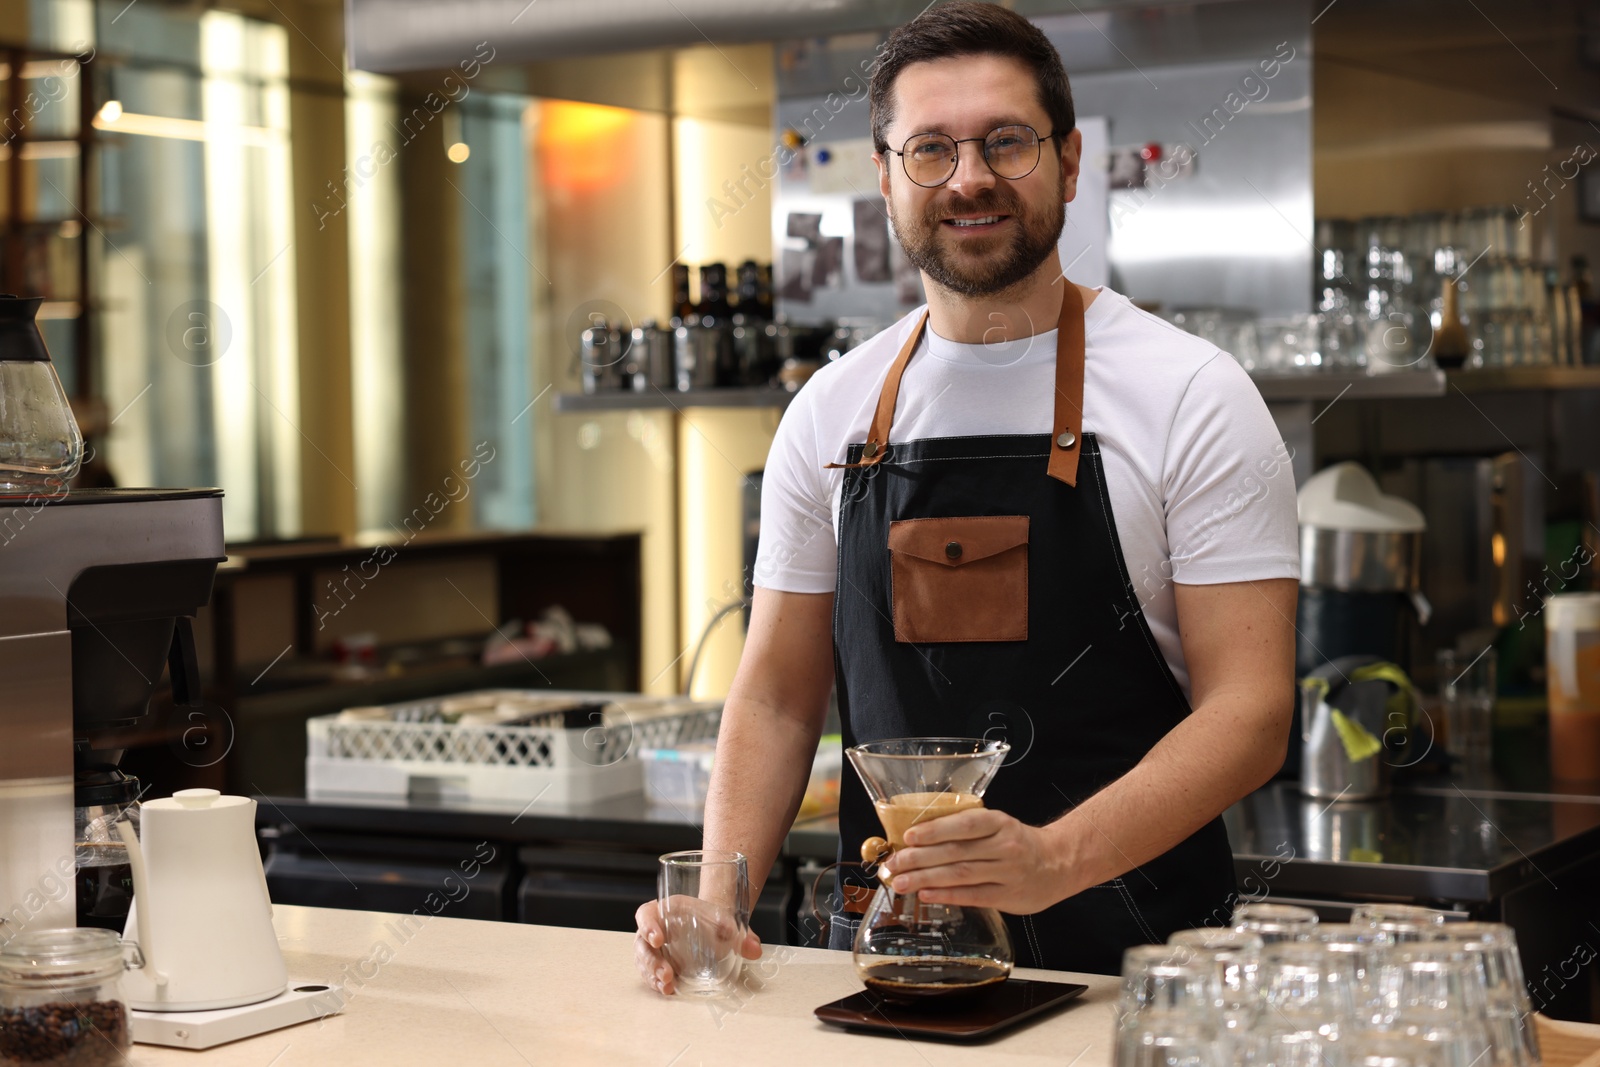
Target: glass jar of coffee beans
x,y
60,1005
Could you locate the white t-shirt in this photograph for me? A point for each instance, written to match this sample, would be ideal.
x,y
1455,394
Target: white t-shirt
x,y
1199,478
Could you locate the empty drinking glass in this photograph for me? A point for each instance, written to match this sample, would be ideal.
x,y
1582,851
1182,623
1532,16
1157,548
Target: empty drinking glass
x,y
1164,1042
1401,988
1290,343
1305,977
1284,1043
1467,691
1234,958
1510,1013
1435,988
1166,1015
705,908
1374,1049
1373,913
1274,922
1308,1002
1166,979
1364,947
1432,1044
1405,931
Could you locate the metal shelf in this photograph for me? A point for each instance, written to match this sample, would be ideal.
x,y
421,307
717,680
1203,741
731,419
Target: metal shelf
x,y
1508,379
1310,385
663,400
1356,385
1319,385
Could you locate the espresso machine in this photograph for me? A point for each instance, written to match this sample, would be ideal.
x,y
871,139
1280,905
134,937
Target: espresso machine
x,y
98,592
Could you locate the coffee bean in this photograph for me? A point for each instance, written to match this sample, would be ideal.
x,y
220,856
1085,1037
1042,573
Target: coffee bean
x,y
64,1034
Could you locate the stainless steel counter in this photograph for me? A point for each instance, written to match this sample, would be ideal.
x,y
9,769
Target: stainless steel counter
x,y
1445,844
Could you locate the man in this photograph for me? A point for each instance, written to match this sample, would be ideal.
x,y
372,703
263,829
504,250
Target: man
x,y
1030,508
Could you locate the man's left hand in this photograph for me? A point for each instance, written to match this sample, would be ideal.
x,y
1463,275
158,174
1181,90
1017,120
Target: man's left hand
x,y
981,858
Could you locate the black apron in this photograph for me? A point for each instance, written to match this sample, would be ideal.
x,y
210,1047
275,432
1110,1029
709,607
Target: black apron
x,y
982,593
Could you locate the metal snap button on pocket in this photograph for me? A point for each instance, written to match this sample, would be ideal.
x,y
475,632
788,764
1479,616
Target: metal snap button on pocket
x,y
953,550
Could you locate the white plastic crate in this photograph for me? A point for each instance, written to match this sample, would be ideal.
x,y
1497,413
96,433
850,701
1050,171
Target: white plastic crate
x,y
395,751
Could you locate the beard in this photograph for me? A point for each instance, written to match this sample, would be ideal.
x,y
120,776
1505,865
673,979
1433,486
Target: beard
x,y
982,266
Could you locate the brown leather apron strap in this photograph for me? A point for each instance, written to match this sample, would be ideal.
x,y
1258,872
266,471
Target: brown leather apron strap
x,y
878,435
1065,436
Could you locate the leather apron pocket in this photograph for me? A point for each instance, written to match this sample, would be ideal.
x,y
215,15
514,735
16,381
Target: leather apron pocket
x,y
959,579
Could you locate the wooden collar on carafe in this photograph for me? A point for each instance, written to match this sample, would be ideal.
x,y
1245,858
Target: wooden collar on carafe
x,y
1065,436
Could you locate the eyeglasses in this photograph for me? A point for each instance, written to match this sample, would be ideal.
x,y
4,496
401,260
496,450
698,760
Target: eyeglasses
x,y
1012,152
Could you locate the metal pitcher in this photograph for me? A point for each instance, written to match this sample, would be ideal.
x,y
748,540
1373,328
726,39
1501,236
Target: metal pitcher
x,y
1355,727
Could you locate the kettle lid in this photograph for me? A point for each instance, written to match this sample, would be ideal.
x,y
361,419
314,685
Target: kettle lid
x,y
196,800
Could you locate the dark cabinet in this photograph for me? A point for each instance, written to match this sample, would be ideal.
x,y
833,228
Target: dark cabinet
x,y
600,890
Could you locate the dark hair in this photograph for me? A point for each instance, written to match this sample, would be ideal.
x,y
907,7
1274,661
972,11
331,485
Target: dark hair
x,y
969,28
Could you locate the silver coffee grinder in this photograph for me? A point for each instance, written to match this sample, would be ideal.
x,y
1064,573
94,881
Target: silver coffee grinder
x,y
98,592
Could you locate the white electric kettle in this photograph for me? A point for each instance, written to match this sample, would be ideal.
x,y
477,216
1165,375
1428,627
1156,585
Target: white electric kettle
x,y
201,913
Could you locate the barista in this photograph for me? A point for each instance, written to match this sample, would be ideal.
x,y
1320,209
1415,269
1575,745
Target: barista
x,y
1028,510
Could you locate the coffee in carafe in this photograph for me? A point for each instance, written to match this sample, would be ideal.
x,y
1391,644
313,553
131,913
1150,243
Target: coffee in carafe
x,y
902,812
933,976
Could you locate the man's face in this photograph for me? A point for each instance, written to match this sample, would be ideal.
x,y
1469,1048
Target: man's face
x,y
967,96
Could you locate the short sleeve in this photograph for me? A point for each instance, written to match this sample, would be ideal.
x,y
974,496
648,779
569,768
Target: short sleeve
x,y
1228,484
798,551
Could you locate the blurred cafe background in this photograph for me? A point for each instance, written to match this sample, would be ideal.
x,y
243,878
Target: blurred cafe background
x,y
483,320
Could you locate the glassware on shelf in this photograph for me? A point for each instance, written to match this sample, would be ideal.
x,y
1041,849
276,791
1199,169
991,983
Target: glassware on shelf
x,y
1233,330
1341,287
1290,343
1512,308
1338,341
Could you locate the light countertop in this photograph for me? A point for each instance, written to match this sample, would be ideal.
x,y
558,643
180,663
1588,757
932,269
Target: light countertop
x,y
461,991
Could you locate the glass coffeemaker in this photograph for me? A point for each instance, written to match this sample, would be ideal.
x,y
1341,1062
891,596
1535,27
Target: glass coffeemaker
x,y
103,795
907,949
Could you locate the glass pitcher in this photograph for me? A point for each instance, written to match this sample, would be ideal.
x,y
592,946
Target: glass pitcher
x,y
907,949
40,446
103,796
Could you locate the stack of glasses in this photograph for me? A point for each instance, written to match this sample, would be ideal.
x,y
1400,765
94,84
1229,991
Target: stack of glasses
x,y
1397,986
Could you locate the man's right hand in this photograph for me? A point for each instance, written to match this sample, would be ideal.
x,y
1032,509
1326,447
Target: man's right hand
x,y
651,958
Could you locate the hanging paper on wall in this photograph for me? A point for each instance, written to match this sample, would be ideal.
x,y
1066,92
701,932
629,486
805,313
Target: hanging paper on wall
x,y
805,226
843,168
828,270
872,241
794,274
